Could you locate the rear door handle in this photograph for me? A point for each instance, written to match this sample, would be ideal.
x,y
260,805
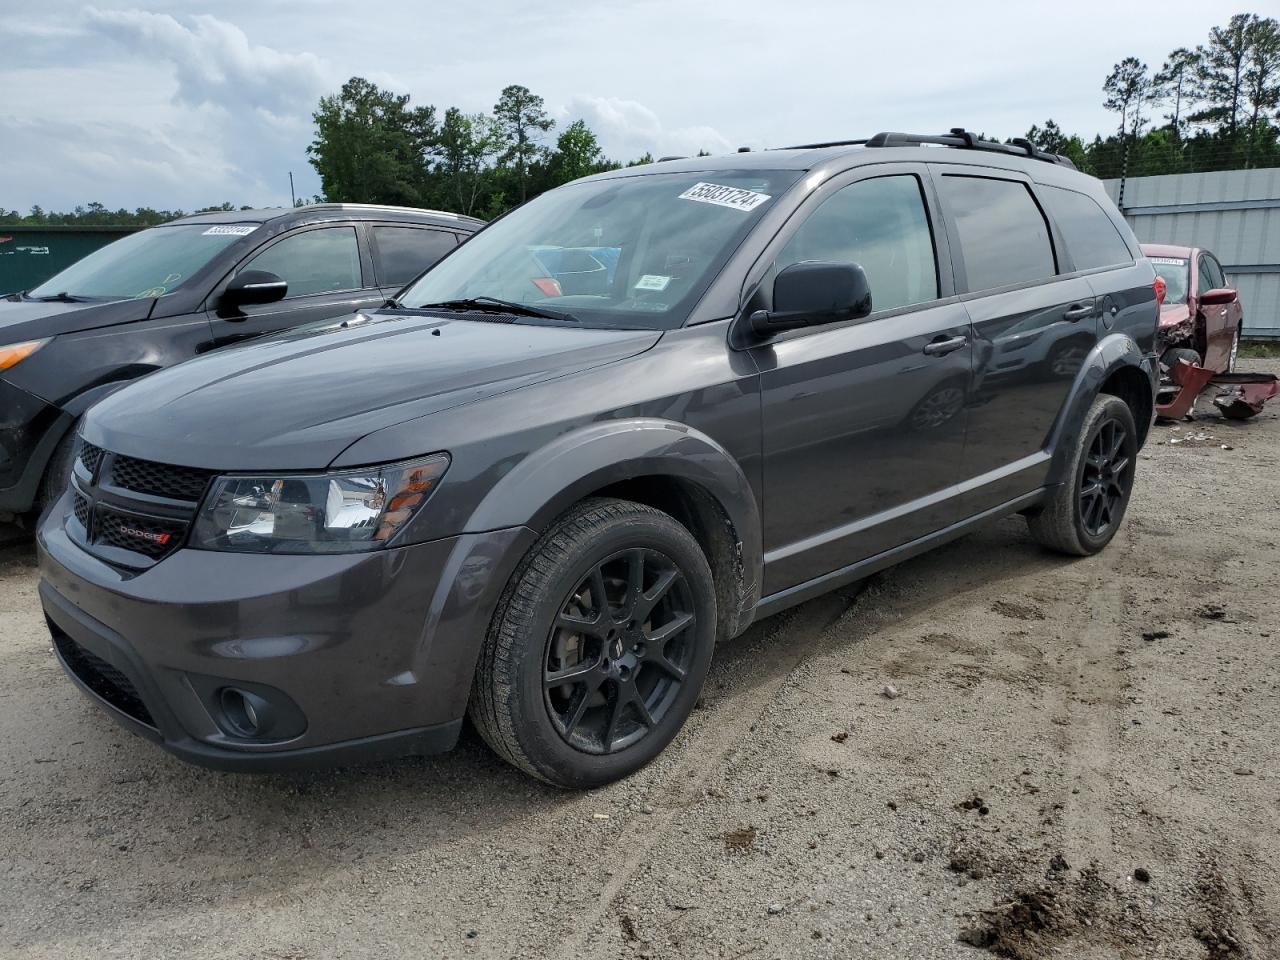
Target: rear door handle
x,y
941,347
1078,311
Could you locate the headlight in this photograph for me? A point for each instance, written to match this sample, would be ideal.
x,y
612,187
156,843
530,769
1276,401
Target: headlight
x,y
315,513
15,353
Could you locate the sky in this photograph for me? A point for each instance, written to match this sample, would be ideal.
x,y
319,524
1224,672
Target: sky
x,y
180,105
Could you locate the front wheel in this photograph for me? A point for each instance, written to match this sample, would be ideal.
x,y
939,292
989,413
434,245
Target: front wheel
x,y
1235,350
599,646
1084,512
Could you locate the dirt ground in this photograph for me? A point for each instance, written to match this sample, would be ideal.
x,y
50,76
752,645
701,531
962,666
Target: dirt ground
x,y
1074,760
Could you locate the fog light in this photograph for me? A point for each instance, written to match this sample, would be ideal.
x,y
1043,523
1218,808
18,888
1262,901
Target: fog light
x,y
246,714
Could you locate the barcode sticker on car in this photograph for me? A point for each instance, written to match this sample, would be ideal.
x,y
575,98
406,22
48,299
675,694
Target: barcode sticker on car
x,y
1172,261
653,281
722,196
231,231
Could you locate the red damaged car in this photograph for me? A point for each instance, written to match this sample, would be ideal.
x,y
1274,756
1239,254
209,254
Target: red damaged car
x,y
1201,318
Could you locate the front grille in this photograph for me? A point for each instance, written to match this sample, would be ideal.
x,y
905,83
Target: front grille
x,y
101,677
91,457
82,510
160,479
148,536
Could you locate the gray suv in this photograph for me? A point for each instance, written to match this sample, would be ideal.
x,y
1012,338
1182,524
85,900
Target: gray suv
x,y
615,427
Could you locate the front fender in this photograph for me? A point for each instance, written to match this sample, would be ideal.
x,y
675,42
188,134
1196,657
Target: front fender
x,y
550,480
1108,355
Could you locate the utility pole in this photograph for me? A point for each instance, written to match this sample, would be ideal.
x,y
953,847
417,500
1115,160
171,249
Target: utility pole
x,y
293,199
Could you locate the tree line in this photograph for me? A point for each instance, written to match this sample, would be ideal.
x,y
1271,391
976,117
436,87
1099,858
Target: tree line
x,y
1212,107
373,146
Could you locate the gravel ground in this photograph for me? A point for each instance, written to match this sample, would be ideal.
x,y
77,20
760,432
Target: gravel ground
x,y
988,745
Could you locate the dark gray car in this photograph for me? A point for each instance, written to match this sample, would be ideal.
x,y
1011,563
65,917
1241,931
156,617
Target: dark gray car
x,y
616,426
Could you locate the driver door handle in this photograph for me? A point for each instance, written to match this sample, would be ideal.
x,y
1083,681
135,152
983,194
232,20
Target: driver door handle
x,y
941,347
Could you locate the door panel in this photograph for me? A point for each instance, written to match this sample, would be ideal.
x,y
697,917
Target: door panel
x,y
859,423
327,278
1029,345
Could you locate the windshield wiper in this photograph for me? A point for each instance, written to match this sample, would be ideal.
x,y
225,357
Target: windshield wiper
x,y
63,297
494,305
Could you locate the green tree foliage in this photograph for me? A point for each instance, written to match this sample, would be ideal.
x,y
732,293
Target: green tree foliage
x,y
371,146
577,154
521,120
1220,105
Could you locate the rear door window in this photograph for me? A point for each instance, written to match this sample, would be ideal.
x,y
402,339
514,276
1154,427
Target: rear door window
x,y
1091,238
317,261
404,252
1003,236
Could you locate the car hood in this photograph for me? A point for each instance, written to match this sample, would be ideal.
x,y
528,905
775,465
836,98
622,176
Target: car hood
x,y
1173,314
295,402
22,320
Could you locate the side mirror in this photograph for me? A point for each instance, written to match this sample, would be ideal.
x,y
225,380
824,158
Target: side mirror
x,y
811,293
254,286
1219,296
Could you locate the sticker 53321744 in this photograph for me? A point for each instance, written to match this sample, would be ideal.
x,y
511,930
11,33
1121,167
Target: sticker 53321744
x,y
230,231
723,196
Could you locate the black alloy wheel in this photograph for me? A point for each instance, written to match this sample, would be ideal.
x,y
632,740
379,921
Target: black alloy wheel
x,y
619,651
1106,479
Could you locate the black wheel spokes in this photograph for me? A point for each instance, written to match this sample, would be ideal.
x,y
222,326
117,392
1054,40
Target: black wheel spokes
x,y
1104,484
619,651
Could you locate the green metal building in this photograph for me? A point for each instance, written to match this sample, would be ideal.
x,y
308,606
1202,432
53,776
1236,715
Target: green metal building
x,y
31,255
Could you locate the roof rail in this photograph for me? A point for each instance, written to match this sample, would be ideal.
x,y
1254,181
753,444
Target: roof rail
x,y
829,143
959,137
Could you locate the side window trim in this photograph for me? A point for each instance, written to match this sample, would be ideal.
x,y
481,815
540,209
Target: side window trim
x,y
761,270
939,170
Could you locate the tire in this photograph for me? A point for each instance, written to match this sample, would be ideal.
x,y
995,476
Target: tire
x,y
57,475
625,693
1235,350
1084,512
1171,356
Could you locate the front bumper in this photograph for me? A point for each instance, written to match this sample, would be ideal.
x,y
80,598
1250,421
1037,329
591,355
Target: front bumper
x,y
361,656
30,429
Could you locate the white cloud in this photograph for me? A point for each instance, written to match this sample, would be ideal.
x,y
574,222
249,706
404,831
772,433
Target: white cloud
x,y
215,63
627,129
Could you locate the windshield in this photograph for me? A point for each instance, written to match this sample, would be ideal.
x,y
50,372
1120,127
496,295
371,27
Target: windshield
x,y
1176,274
627,252
144,264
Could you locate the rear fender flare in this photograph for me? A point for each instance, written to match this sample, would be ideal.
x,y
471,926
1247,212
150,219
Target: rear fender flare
x,y
1108,355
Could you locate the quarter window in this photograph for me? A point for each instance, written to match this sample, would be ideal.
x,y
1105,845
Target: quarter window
x,y
1003,235
881,225
404,252
1091,237
318,261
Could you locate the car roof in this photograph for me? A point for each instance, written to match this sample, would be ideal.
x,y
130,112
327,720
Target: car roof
x,y
1167,250
319,212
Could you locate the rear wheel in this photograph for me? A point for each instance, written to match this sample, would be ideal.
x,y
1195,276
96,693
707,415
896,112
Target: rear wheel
x,y
1084,512
599,647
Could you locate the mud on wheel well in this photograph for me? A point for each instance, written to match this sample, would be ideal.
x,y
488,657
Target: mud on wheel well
x,y
1133,387
701,514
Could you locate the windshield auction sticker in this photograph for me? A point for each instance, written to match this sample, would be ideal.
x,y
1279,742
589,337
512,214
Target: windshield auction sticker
x,y
1171,261
229,231
722,196
652,281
